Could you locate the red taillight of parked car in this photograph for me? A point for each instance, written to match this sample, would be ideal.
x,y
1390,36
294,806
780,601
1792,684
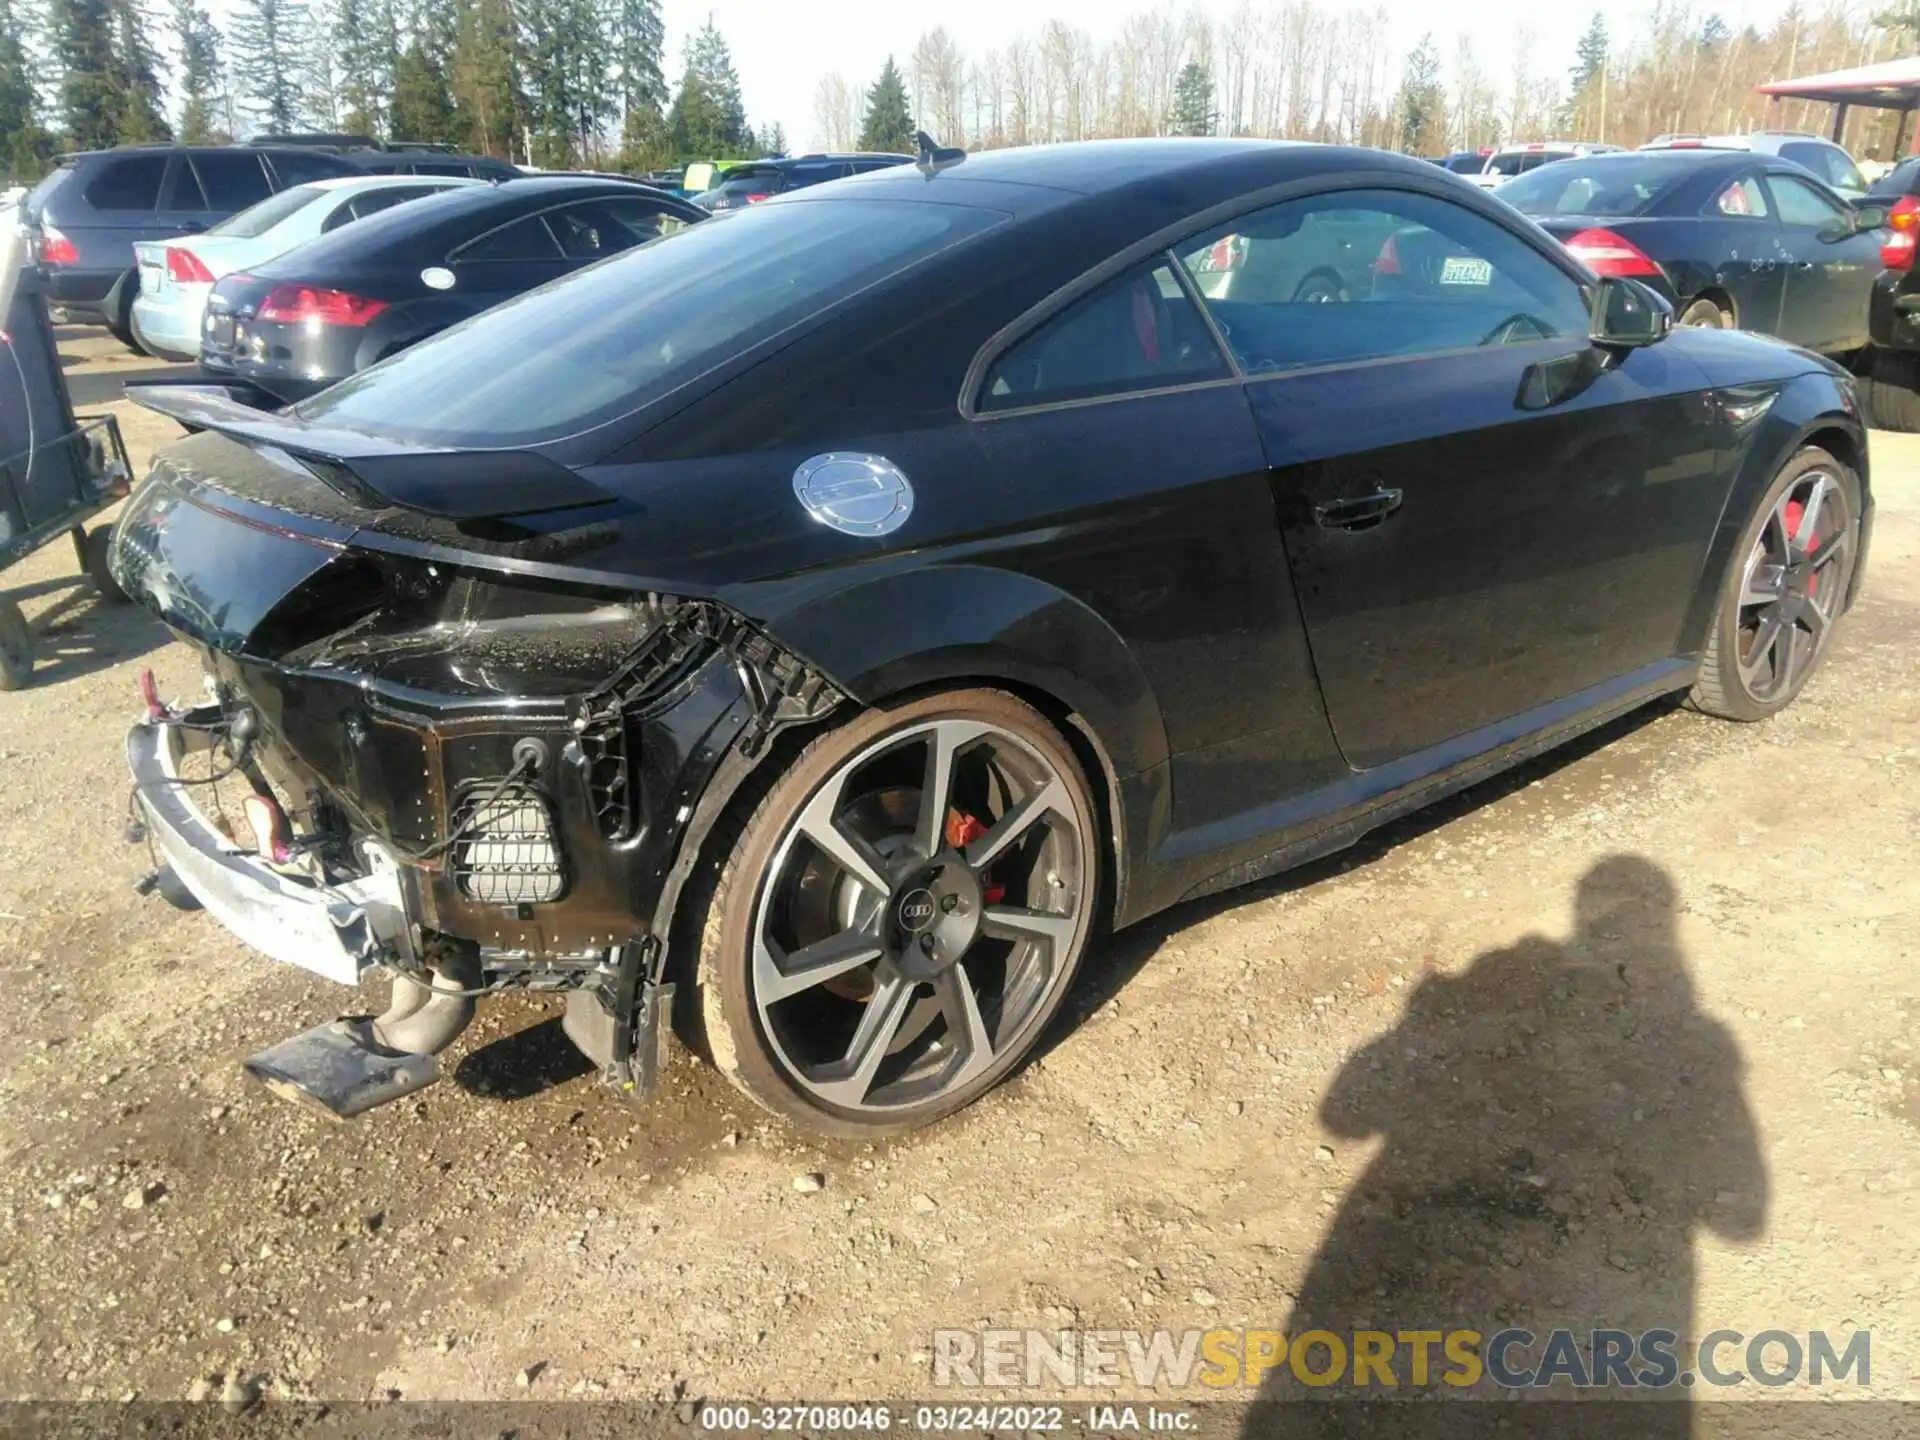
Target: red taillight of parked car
x,y
1606,253
756,199
186,268
1903,234
56,249
289,304
1387,262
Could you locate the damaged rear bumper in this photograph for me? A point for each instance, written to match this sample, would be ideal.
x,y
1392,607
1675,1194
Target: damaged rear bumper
x,y
335,931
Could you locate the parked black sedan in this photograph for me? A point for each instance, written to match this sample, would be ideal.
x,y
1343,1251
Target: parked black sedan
x,y
334,306
1732,238
844,612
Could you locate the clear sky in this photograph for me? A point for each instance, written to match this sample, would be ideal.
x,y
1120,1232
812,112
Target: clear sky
x,y
782,47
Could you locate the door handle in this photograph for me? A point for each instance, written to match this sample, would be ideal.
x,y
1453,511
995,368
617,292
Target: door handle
x,y
1358,512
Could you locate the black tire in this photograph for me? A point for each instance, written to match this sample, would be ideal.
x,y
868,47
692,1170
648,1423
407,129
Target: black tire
x,y
748,891
1705,313
16,647
1724,687
1892,393
96,546
123,332
172,889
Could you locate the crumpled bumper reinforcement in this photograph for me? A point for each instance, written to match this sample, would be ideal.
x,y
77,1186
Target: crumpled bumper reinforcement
x,y
335,931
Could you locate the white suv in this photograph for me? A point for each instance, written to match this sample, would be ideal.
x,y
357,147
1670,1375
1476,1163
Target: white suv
x,y
1825,159
1511,160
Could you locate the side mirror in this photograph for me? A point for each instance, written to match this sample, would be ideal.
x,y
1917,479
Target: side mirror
x,y
1869,217
1627,315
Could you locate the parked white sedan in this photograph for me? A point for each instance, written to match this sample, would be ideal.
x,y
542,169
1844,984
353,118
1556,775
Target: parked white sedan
x,y
176,276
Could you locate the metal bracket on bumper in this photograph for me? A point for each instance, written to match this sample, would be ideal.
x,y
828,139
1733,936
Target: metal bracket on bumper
x,y
335,932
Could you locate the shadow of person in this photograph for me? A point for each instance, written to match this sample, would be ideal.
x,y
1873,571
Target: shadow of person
x,y
1556,1123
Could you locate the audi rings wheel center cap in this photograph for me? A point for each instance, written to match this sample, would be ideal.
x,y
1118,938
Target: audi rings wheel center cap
x,y
917,910
935,918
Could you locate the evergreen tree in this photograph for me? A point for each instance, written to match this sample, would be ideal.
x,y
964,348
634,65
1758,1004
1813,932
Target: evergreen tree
x,y
488,101
266,38
1589,56
320,67
139,120
1422,106
1193,112
369,49
83,33
889,123
422,103
200,85
708,120
645,142
775,139
637,38
25,146
568,98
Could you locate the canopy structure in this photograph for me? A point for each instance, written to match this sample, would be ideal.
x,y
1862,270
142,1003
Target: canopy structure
x,y
1889,85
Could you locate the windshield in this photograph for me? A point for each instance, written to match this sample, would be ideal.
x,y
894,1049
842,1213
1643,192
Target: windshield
x,y
606,340
258,219
1829,162
1897,181
1597,185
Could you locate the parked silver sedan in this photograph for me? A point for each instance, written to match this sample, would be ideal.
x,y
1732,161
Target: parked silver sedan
x,y
176,276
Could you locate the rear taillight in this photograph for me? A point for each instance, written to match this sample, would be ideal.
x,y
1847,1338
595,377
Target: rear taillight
x,y
1606,253
56,249
289,304
756,199
187,268
1903,234
1685,145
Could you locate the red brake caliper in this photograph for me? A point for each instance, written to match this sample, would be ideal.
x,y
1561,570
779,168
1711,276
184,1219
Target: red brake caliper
x,y
962,831
1794,511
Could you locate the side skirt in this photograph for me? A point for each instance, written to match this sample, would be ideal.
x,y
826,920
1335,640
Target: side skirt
x,y
1338,815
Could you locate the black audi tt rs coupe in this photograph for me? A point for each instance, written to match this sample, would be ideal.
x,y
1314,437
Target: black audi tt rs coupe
x,y
814,629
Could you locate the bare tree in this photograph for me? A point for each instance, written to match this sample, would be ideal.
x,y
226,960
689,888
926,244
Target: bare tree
x,y
939,82
836,113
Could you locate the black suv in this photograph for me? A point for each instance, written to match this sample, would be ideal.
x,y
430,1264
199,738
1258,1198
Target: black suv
x,y
749,183
83,219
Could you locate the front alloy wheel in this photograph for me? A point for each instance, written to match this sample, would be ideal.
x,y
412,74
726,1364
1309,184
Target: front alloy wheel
x,y
902,916
1787,587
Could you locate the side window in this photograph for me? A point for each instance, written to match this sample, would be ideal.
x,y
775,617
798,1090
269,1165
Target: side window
x,y
527,239
129,183
1366,275
232,180
644,219
814,172
1743,197
183,189
1137,332
444,167
293,168
1800,204
343,214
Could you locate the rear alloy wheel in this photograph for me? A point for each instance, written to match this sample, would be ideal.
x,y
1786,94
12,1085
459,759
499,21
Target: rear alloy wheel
x,y
1784,591
1704,314
902,915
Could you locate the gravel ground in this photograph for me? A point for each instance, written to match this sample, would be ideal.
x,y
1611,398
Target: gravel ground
x,y
1625,1038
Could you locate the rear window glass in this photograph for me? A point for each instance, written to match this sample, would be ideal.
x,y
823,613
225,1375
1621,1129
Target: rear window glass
x,y
1519,162
1829,162
129,183
1598,185
258,219
527,239
615,336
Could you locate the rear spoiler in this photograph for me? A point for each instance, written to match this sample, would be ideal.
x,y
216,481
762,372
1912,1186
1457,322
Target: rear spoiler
x,y
447,484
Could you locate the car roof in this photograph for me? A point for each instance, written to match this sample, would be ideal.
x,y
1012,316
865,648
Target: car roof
x,y
1192,172
390,182
450,217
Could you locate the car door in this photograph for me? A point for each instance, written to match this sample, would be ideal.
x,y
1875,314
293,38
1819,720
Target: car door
x,y
1145,481
1830,269
1739,252
1489,523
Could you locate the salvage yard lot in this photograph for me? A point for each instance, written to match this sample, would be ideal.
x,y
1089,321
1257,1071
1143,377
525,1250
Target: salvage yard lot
x,y
1733,989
